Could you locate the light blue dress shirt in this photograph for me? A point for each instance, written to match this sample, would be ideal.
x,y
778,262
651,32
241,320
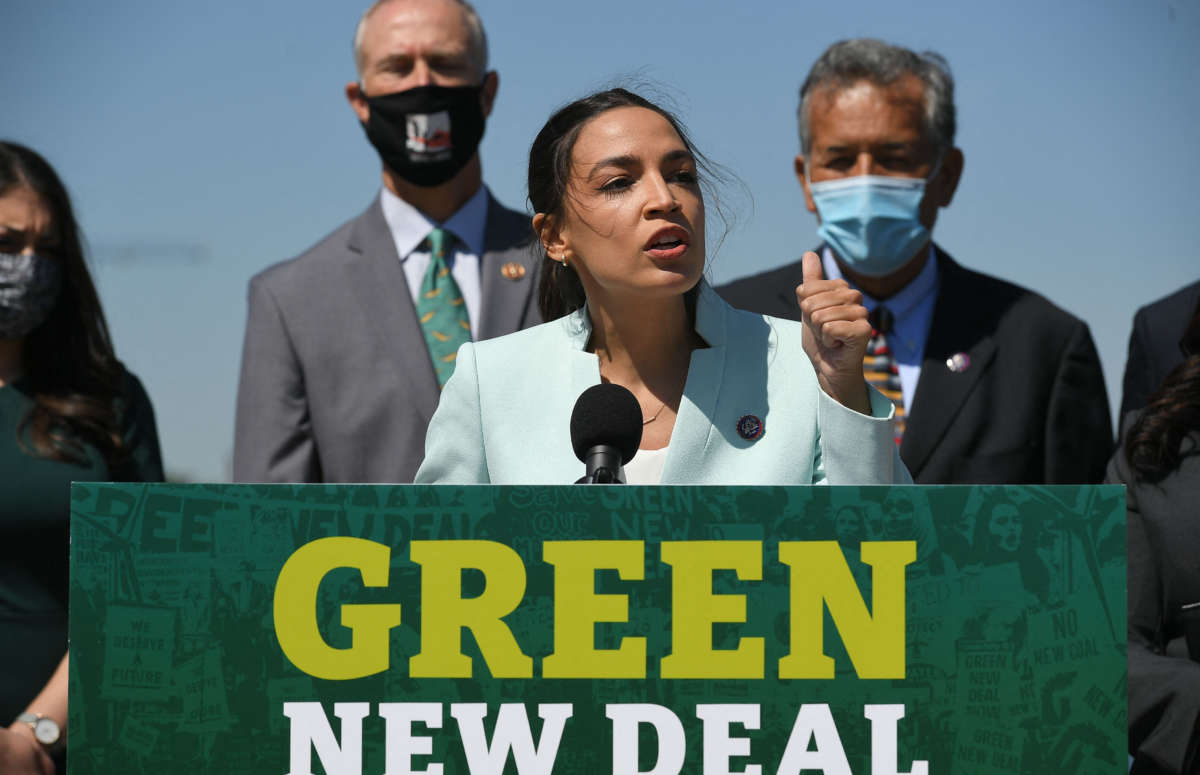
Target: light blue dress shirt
x,y
409,228
912,308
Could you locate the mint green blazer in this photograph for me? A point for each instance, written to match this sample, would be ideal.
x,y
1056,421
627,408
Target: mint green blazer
x,y
504,416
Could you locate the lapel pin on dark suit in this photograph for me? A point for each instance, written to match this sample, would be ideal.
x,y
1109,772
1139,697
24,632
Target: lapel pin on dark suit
x,y
512,270
958,363
750,427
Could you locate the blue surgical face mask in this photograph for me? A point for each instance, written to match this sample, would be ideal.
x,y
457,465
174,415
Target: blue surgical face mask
x,y
872,222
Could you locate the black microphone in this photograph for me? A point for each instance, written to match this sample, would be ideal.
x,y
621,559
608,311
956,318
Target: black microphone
x,y
606,429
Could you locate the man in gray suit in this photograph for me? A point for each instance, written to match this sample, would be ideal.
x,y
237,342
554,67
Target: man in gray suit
x,y
347,345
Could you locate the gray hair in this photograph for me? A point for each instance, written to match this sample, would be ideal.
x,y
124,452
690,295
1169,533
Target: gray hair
x,y
863,59
478,38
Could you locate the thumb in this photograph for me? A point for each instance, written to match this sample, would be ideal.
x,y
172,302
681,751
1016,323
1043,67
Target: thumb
x,y
811,264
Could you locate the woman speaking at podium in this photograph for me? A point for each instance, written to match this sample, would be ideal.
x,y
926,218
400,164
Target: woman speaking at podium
x,y
726,396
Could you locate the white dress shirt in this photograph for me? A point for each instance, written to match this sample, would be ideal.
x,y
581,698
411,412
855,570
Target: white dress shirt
x,y
912,309
409,228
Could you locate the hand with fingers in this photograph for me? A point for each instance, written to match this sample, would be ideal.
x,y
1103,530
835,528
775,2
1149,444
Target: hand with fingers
x,y
836,333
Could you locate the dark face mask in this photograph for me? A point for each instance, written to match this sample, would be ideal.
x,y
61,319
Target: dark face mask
x,y
428,133
29,289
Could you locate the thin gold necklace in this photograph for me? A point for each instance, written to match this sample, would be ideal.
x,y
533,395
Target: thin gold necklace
x,y
661,406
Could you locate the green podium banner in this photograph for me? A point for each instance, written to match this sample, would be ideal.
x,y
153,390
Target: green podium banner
x,y
654,630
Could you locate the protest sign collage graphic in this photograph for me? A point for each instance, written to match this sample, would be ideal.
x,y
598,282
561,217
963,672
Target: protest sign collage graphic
x,y
356,628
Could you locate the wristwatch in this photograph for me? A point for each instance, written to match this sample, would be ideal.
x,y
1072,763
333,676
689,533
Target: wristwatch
x,y
45,730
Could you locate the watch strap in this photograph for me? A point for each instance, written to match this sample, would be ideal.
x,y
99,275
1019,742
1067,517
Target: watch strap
x,y
33,719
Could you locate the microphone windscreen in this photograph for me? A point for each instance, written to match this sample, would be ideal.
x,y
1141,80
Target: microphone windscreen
x,y
606,414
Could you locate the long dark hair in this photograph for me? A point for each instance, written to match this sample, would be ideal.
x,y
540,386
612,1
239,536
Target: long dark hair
x,y
560,291
70,368
1160,437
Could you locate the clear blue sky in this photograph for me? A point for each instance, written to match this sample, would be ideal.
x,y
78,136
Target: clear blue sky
x,y
204,141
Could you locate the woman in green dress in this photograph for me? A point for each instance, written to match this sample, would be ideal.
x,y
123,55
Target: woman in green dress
x,y
69,411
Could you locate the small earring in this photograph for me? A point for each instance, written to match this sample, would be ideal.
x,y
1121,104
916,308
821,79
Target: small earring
x,y
564,260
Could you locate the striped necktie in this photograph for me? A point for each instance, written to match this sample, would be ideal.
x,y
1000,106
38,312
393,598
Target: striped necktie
x,y
440,308
879,367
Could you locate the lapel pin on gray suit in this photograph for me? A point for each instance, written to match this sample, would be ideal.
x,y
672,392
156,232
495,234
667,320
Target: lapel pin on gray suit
x,y
344,354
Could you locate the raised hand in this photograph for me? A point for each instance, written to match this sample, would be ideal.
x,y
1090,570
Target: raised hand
x,y
836,333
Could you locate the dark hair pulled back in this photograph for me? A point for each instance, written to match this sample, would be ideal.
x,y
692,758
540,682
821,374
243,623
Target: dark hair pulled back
x,y
560,291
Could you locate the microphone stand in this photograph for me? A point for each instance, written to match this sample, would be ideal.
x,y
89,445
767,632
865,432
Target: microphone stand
x,y
602,466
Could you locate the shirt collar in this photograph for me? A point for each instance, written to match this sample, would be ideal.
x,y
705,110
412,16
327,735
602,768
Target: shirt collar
x,y
904,301
409,226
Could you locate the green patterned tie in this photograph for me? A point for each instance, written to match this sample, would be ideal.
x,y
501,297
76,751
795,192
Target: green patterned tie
x,y
441,309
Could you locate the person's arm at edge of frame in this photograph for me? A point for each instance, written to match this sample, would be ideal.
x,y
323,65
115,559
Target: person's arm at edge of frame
x,y
139,430
51,703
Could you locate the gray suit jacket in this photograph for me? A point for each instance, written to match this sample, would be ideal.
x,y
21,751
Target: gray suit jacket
x,y
337,384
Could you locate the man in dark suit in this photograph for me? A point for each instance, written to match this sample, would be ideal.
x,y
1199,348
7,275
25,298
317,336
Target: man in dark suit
x,y
994,383
1154,344
348,344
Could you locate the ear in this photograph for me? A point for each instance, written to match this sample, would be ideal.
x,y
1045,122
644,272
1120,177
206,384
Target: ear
x,y
549,232
946,181
358,101
491,84
800,167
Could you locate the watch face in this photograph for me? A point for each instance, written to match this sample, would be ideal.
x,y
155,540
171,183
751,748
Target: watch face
x,y
46,731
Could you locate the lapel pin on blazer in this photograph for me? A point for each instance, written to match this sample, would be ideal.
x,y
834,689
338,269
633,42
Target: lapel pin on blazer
x,y
512,270
750,427
958,363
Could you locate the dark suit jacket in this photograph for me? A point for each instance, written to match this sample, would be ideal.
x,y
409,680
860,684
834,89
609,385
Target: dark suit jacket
x,y
1030,409
1163,533
337,384
1154,345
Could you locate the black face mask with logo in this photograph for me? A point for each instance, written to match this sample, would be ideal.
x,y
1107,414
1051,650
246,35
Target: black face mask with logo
x,y
428,133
